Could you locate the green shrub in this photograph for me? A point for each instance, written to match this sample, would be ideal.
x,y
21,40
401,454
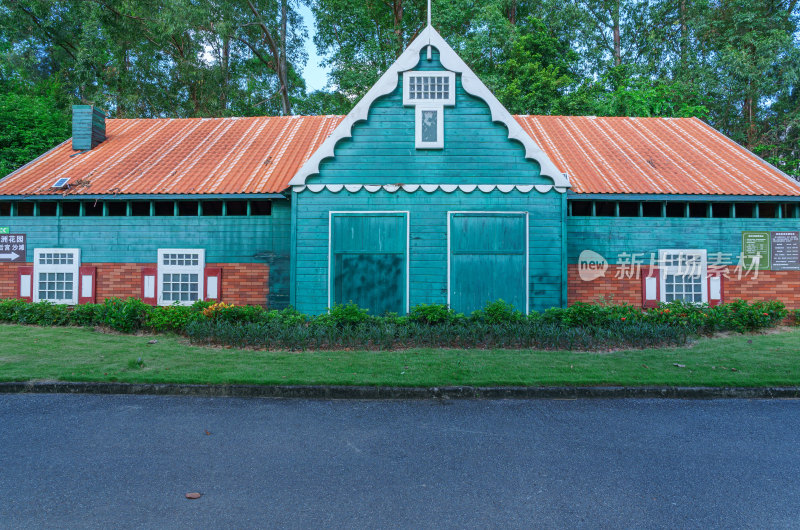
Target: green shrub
x,y
497,312
343,315
87,315
126,315
796,317
432,314
171,318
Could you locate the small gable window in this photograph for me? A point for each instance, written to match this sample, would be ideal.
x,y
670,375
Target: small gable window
x,y
429,92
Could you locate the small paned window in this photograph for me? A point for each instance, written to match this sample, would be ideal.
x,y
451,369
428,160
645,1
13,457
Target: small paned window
x,y
70,209
745,210
720,209
93,209
698,209
236,208
581,208
628,209
767,210
187,208
212,207
651,209
676,209
683,276
48,209
55,272
260,207
117,208
140,208
429,87
604,209
25,209
165,208
180,274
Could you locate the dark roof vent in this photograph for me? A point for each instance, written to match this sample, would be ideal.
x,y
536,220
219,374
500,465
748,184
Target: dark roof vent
x,y
88,127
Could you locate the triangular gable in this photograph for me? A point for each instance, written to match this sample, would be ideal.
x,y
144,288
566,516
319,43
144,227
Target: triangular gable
x,y
469,81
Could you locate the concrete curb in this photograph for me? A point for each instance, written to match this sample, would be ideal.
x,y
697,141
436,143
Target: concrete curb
x,y
376,392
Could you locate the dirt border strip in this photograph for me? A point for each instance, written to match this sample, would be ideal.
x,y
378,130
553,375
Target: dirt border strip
x,y
373,392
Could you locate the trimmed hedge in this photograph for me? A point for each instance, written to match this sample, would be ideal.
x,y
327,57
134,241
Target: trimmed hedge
x,y
498,325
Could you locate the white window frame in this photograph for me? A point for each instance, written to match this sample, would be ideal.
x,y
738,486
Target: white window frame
x,y
407,214
439,143
451,95
72,268
678,270
198,269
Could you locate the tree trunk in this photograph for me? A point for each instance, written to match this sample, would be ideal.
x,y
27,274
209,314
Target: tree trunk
x,y
226,76
511,12
617,46
397,15
282,73
683,37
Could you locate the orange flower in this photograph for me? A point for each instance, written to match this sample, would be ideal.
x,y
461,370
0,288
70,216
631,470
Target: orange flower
x,y
623,318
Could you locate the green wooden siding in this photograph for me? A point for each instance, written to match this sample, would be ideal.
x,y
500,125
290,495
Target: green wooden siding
x,y
262,239
428,218
368,261
487,260
613,236
476,150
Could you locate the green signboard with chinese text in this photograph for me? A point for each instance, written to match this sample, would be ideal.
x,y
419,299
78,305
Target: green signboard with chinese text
x,y
756,246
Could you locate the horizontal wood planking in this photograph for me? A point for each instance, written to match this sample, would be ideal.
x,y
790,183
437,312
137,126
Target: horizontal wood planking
x,y
428,239
137,239
382,148
613,236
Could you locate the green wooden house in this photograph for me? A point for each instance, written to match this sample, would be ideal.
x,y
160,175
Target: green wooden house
x,y
428,191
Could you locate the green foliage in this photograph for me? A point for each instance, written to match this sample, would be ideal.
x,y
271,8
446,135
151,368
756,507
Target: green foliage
x,y
344,316
498,325
171,319
497,312
126,316
30,125
432,314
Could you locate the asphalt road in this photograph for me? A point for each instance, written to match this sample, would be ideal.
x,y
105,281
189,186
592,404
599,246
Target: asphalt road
x,y
127,461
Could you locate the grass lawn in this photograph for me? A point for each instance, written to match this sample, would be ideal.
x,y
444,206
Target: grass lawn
x,y
76,354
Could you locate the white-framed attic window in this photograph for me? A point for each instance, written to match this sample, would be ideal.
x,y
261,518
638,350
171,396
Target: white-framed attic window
x,y
180,275
683,275
55,275
429,87
429,127
429,92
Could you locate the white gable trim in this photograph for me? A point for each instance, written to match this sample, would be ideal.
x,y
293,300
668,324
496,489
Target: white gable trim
x,y
387,84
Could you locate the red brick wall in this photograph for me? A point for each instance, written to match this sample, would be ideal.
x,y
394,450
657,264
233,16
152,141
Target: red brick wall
x,y
242,283
8,279
768,285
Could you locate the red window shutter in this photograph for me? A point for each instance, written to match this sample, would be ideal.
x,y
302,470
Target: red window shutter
x,y
150,285
716,288
213,285
651,286
87,285
25,283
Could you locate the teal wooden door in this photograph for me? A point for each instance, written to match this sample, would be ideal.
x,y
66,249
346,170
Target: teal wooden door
x,y
488,260
368,261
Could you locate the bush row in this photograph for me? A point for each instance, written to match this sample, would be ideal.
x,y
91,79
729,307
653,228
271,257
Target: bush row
x,y
580,326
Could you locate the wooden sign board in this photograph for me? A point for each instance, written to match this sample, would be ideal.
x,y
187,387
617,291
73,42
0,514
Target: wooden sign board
x,y
13,247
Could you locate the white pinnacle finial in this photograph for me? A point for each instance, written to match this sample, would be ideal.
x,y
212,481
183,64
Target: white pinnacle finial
x,y
429,12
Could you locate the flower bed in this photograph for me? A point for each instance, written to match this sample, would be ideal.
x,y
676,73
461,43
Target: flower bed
x,y
578,327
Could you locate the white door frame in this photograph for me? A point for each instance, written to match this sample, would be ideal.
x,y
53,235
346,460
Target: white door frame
x,y
527,248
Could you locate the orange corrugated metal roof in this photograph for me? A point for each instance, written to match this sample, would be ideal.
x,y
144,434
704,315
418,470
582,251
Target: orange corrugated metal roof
x,y
181,156
260,155
652,156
